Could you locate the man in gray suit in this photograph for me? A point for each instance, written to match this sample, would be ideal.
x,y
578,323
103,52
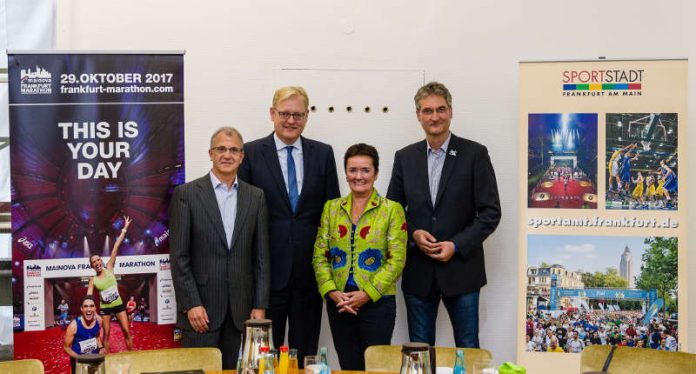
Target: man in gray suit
x,y
219,251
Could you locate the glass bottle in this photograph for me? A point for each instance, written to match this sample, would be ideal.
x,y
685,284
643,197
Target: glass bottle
x,y
459,363
283,361
274,352
293,366
267,364
261,365
324,359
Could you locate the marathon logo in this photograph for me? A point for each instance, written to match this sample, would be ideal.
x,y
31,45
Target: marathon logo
x,y
137,264
35,82
602,82
164,264
33,270
66,267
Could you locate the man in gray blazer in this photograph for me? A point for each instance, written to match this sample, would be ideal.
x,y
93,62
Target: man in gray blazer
x,y
219,251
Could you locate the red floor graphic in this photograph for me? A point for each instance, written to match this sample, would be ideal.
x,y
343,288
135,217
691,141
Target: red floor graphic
x,y
47,345
554,193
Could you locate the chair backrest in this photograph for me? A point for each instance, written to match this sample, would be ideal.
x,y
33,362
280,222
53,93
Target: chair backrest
x,y
29,366
387,358
207,359
629,360
384,358
444,356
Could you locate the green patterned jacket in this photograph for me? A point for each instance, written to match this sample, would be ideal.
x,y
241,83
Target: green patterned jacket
x,y
379,252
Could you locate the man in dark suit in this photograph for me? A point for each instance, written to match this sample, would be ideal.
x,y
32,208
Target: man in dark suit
x,y
219,251
298,175
448,188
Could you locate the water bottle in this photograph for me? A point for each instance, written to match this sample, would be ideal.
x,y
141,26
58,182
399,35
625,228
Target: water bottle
x,y
459,363
324,359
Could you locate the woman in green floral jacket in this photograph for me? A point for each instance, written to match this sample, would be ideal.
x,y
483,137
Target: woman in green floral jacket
x,y
359,254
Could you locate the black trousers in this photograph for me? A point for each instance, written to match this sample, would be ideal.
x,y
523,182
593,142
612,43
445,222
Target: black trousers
x,y
227,338
352,334
301,310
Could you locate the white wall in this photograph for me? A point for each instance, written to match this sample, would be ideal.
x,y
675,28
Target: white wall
x,y
233,46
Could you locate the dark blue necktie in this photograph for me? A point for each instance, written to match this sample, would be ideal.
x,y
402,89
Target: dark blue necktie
x,y
292,180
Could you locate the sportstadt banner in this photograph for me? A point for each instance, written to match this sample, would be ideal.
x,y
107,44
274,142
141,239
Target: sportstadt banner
x,y
602,221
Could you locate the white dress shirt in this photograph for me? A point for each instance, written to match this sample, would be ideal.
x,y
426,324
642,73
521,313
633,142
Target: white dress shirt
x,y
296,155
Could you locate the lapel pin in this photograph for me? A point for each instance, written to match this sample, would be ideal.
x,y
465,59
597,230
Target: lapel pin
x,y
453,152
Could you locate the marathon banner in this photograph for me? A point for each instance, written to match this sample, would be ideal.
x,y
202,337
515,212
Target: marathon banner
x,y
97,149
39,274
602,223
606,294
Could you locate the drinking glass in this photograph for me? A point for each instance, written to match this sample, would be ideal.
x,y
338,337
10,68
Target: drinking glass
x,y
484,366
313,365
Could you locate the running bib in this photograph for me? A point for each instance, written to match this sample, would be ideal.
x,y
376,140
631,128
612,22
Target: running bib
x,y
88,346
110,294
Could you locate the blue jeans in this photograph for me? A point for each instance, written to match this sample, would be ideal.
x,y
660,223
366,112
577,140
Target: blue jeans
x,y
462,310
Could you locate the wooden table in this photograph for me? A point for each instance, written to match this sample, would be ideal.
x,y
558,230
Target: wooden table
x,y
301,371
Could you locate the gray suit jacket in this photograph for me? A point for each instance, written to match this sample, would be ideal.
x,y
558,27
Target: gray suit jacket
x,y
205,272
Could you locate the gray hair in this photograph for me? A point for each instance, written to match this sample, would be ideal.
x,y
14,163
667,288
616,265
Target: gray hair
x,y
227,130
433,88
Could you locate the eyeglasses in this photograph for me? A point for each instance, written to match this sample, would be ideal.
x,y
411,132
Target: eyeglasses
x,y
222,150
440,110
286,115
